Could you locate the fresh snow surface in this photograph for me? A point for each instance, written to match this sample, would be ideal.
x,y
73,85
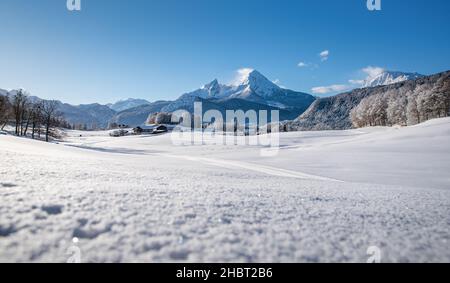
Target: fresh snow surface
x,y
327,197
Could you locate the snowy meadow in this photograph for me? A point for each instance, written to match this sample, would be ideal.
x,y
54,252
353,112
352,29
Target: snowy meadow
x,y
327,196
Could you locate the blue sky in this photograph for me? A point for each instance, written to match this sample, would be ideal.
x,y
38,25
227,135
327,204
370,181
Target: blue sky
x,y
159,49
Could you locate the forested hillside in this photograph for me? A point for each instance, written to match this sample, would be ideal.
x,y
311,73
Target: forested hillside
x,y
405,103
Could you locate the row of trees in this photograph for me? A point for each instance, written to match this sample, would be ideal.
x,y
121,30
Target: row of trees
x,y
402,107
5,111
28,116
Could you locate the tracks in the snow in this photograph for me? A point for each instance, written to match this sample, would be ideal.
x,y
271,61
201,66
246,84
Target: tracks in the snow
x,y
229,164
232,164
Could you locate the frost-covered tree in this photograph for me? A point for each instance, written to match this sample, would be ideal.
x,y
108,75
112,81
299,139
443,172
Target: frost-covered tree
x,y
163,118
396,109
357,109
407,104
360,114
159,118
374,111
412,112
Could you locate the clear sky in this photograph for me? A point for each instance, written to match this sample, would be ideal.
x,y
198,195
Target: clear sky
x,y
159,49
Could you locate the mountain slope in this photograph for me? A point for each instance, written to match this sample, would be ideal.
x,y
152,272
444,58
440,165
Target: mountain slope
x,y
252,92
394,102
222,105
128,104
90,115
138,115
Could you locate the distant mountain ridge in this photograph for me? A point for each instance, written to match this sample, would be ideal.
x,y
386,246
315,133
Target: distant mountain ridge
x,y
126,104
88,116
390,77
255,92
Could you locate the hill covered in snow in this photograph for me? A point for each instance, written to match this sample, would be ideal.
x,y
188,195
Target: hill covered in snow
x,y
404,103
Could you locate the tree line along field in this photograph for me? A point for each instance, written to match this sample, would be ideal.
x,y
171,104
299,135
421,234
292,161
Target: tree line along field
x,y
33,118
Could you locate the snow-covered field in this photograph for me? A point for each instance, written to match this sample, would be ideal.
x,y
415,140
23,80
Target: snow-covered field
x,y
326,197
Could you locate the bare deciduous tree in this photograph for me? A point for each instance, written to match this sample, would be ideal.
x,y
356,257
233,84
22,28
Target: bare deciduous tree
x,y
20,100
36,118
5,111
49,113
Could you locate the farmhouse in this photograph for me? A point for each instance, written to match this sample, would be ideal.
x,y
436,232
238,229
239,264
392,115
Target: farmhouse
x,y
150,129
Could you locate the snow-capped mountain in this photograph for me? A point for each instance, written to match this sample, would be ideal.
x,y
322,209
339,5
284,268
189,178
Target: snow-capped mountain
x,y
252,91
254,82
208,91
128,104
252,87
214,90
388,78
